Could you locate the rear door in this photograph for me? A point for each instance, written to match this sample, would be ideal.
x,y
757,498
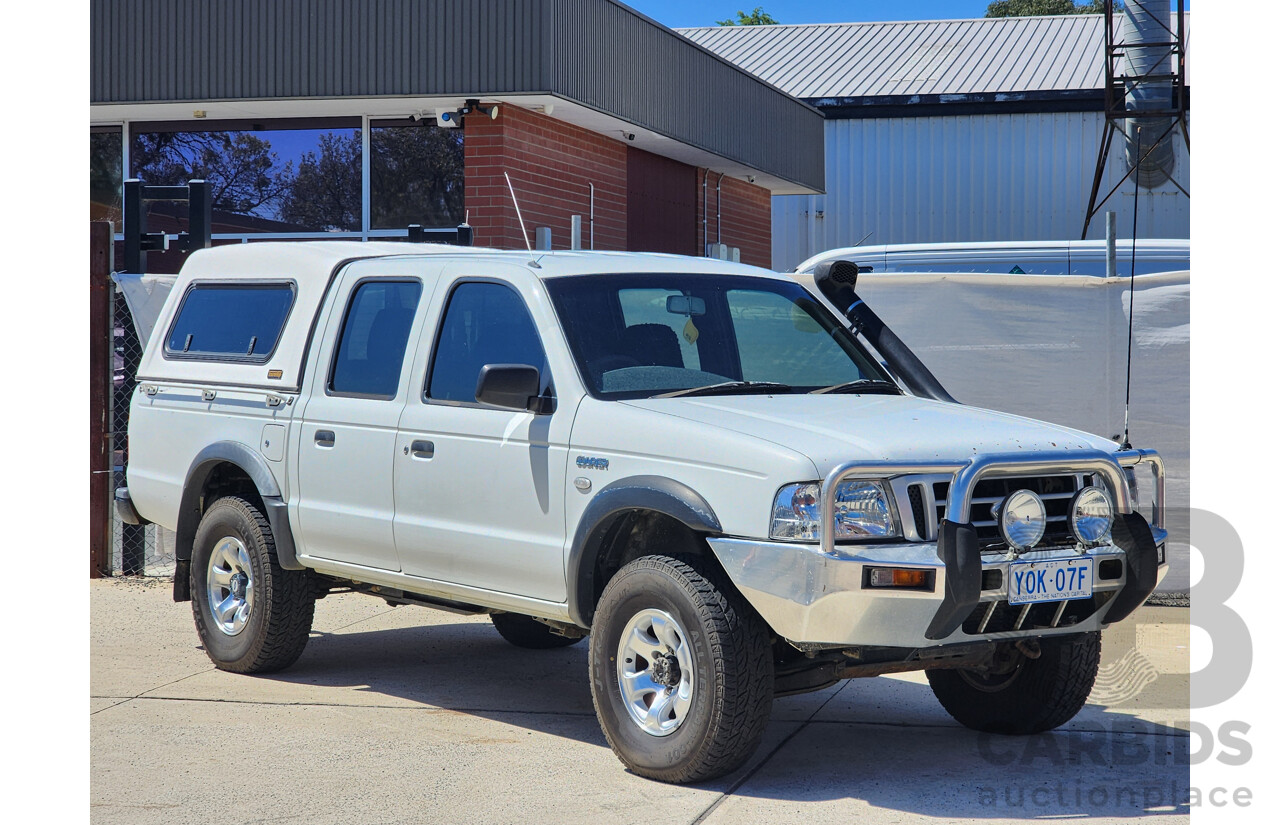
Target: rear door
x,y
358,386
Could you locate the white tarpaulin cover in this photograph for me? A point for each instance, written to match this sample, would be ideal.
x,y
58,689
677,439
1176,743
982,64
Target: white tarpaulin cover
x,y
145,295
1053,347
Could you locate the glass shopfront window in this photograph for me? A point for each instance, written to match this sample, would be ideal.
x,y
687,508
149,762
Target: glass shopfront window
x,y
106,151
261,179
296,178
415,175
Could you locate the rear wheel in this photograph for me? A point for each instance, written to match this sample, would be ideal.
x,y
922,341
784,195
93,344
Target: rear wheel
x,y
1023,695
526,632
252,615
681,675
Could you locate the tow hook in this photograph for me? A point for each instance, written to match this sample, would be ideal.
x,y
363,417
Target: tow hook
x,y
1029,648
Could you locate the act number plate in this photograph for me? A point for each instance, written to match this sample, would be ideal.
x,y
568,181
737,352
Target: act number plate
x,y
1050,581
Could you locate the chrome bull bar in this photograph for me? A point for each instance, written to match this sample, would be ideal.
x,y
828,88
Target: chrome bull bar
x,y
966,475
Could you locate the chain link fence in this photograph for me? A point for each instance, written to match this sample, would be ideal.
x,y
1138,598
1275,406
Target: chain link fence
x,y
135,550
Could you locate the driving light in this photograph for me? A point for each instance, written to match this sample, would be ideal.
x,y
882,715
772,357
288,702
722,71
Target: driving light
x,y
861,512
1091,516
1021,518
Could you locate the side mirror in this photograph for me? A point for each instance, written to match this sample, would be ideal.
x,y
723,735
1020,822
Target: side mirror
x,y
513,386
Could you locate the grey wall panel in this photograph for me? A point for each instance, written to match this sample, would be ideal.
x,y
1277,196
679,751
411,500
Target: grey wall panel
x,y
1022,177
613,59
158,50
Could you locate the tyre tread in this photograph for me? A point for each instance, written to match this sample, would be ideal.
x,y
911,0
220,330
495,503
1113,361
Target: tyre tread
x,y
528,633
739,644
1048,693
289,602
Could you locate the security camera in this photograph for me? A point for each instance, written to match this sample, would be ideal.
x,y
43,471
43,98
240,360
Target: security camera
x,y
751,178
629,135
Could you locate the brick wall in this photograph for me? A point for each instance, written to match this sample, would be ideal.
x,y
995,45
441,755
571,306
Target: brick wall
x,y
551,164
745,217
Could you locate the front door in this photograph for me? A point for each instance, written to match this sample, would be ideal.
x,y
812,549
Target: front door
x,y
480,490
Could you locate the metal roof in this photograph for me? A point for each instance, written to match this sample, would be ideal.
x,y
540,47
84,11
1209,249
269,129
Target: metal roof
x,y
598,54
928,57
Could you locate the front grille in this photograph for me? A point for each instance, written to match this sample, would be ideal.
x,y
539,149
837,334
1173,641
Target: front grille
x,y
915,493
1055,491
1004,616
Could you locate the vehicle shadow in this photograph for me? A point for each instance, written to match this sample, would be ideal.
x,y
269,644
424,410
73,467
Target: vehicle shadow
x,y
883,741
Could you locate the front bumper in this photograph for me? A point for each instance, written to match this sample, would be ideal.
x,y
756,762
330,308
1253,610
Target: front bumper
x,y
816,596
814,599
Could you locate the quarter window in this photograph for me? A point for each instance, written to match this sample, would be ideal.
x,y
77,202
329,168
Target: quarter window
x,y
240,322
485,323
375,334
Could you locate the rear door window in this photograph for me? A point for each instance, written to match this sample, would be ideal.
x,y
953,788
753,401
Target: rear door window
x,y
230,322
375,334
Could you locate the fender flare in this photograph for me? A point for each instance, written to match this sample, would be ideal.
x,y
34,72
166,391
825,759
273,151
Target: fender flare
x,y
259,472
626,495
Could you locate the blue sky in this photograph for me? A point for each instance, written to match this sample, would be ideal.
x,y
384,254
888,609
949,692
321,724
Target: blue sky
x,y
678,13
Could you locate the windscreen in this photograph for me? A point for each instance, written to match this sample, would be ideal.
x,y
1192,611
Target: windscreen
x,y
644,335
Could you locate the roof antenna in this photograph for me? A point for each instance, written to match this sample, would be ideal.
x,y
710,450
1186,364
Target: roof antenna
x,y
523,231
1133,271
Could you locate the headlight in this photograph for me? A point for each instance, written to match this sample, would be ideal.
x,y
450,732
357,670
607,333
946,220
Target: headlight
x,y
1022,519
862,512
1091,515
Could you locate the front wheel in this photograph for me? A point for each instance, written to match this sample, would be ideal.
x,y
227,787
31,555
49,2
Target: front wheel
x,y
252,615
681,675
1023,695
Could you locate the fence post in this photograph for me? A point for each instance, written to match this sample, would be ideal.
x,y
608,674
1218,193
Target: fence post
x,y
101,350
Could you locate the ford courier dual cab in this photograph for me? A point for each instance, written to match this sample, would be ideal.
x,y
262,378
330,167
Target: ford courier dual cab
x,y
699,465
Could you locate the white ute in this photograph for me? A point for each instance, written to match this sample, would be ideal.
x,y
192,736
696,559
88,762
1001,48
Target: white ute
x,y
698,464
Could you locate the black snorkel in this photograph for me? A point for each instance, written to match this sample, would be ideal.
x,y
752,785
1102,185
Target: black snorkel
x,y
838,281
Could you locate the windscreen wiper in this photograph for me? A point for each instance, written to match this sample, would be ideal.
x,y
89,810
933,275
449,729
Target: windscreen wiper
x,y
730,388
866,386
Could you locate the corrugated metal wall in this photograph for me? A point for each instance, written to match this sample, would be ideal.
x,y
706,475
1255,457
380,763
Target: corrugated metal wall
x,y
968,178
610,58
145,50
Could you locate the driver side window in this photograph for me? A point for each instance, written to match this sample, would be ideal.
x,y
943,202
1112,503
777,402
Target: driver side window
x,y
484,323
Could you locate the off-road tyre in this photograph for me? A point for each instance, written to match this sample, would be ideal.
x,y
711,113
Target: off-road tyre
x,y
529,633
279,624
733,670
1039,695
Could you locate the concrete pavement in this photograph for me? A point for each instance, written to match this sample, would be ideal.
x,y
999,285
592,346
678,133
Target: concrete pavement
x,y
411,715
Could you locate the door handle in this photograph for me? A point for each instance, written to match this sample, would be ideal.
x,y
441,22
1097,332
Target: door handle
x,y
423,449
324,438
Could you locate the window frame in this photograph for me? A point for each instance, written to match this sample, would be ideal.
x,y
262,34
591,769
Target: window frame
x,y
170,354
342,330
425,395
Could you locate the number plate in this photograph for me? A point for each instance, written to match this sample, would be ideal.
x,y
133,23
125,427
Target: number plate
x,y
1050,581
